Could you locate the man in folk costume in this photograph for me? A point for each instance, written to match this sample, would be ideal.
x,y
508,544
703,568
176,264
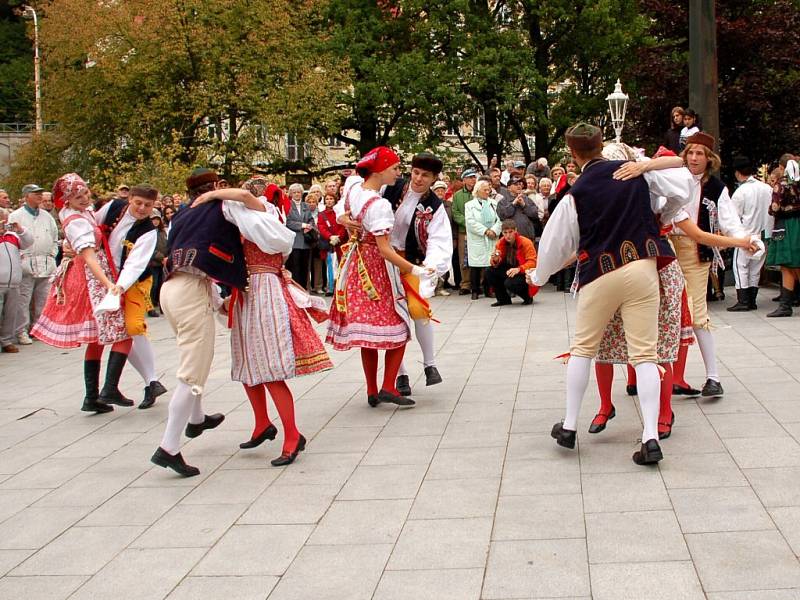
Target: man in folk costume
x,y
751,202
132,238
422,234
611,226
710,208
205,248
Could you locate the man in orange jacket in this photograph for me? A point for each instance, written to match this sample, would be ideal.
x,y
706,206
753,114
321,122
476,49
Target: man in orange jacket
x,y
513,255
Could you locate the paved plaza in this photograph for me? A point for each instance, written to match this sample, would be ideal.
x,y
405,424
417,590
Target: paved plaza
x,y
463,497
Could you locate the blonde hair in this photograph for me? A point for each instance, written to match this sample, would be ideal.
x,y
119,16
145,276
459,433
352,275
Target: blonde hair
x,y
714,161
482,183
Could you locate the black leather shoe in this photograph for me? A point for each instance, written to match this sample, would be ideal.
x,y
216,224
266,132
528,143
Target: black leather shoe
x,y
598,427
678,390
432,376
151,392
268,434
712,389
631,390
390,398
667,428
95,406
403,385
649,454
287,459
500,303
563,437
475,295
527,301
210,422
162,458
373,401
463,292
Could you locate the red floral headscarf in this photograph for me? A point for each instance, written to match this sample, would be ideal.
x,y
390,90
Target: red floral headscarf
x,y
66,188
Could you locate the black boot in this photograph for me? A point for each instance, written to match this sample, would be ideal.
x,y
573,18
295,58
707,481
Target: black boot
x,y
91,380
151,392
742,300
403,385
432,376
110,392
784,304
751,298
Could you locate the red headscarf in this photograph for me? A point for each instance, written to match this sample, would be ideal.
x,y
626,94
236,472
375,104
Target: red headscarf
x,y
278,197
378,159
66,188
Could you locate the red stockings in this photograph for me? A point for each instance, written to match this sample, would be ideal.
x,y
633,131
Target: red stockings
x,y
284,402
605,377
665,405
679,368
95,351
392,361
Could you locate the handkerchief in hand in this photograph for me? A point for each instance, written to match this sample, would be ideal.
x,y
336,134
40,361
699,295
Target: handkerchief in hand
x,y
109,304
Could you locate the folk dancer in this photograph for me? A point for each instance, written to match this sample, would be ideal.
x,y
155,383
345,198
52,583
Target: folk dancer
x,y
611,226
369,309
272,338
751,202
421,234
72,314
205,246
132,238
710,208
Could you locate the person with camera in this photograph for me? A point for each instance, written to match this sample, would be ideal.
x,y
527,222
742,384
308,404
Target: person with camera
x,y
13,239
513,255
520,208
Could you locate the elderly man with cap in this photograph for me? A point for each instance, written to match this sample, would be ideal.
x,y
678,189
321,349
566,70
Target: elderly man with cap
x,y
469,177
38,260
611,226
750,202
423,236
132,238
204,247
519,207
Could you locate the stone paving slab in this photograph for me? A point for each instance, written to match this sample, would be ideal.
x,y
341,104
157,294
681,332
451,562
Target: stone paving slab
x,y
464,497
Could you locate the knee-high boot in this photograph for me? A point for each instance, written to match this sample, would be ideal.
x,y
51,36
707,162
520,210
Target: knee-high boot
x,y
110,392
91,381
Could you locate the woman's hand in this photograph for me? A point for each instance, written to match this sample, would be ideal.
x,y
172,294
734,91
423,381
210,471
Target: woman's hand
x,y
490,234
630,170
334,241
349,223
114,288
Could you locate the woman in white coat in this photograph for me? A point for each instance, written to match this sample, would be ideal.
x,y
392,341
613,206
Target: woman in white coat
x,y
483,229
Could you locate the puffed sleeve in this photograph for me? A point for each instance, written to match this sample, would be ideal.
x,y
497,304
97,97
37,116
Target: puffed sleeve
x,y
379,218
80,234
262,228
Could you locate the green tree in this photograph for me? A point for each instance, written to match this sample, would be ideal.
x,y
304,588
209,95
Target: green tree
x,y
16,68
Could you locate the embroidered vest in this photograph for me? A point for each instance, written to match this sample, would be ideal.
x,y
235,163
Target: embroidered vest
x,y
617,224
202,238
710,192
417,236
113,215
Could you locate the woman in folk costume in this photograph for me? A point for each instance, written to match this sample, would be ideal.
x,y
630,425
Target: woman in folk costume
x,y
784,247
369,310
272,338
674,316
79,286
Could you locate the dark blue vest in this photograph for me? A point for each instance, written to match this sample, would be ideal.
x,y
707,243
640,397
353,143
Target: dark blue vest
x,y
114,213
617,225
711,190
202,238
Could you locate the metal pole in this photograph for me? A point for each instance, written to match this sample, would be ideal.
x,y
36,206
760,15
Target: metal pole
x,y
36,74
703,81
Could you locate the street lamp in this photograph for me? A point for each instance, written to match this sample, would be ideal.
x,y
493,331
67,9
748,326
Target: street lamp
x,y
30,13
617,105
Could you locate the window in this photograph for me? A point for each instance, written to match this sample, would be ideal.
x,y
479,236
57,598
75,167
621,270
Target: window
x,y
335,142
295,150
479,125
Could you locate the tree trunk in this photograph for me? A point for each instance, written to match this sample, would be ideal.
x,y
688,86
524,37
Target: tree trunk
x,y
494,146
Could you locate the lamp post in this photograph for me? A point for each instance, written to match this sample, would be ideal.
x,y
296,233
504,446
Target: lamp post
x,y
617,105
31,13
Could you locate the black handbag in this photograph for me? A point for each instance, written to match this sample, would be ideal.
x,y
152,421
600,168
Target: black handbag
x,y
311,237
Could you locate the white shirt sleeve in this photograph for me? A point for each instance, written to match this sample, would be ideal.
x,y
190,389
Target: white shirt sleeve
x,y
729,222
80,234
138,259
559,241
379,217
352,185
100,215
439,254
264,229
670,191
